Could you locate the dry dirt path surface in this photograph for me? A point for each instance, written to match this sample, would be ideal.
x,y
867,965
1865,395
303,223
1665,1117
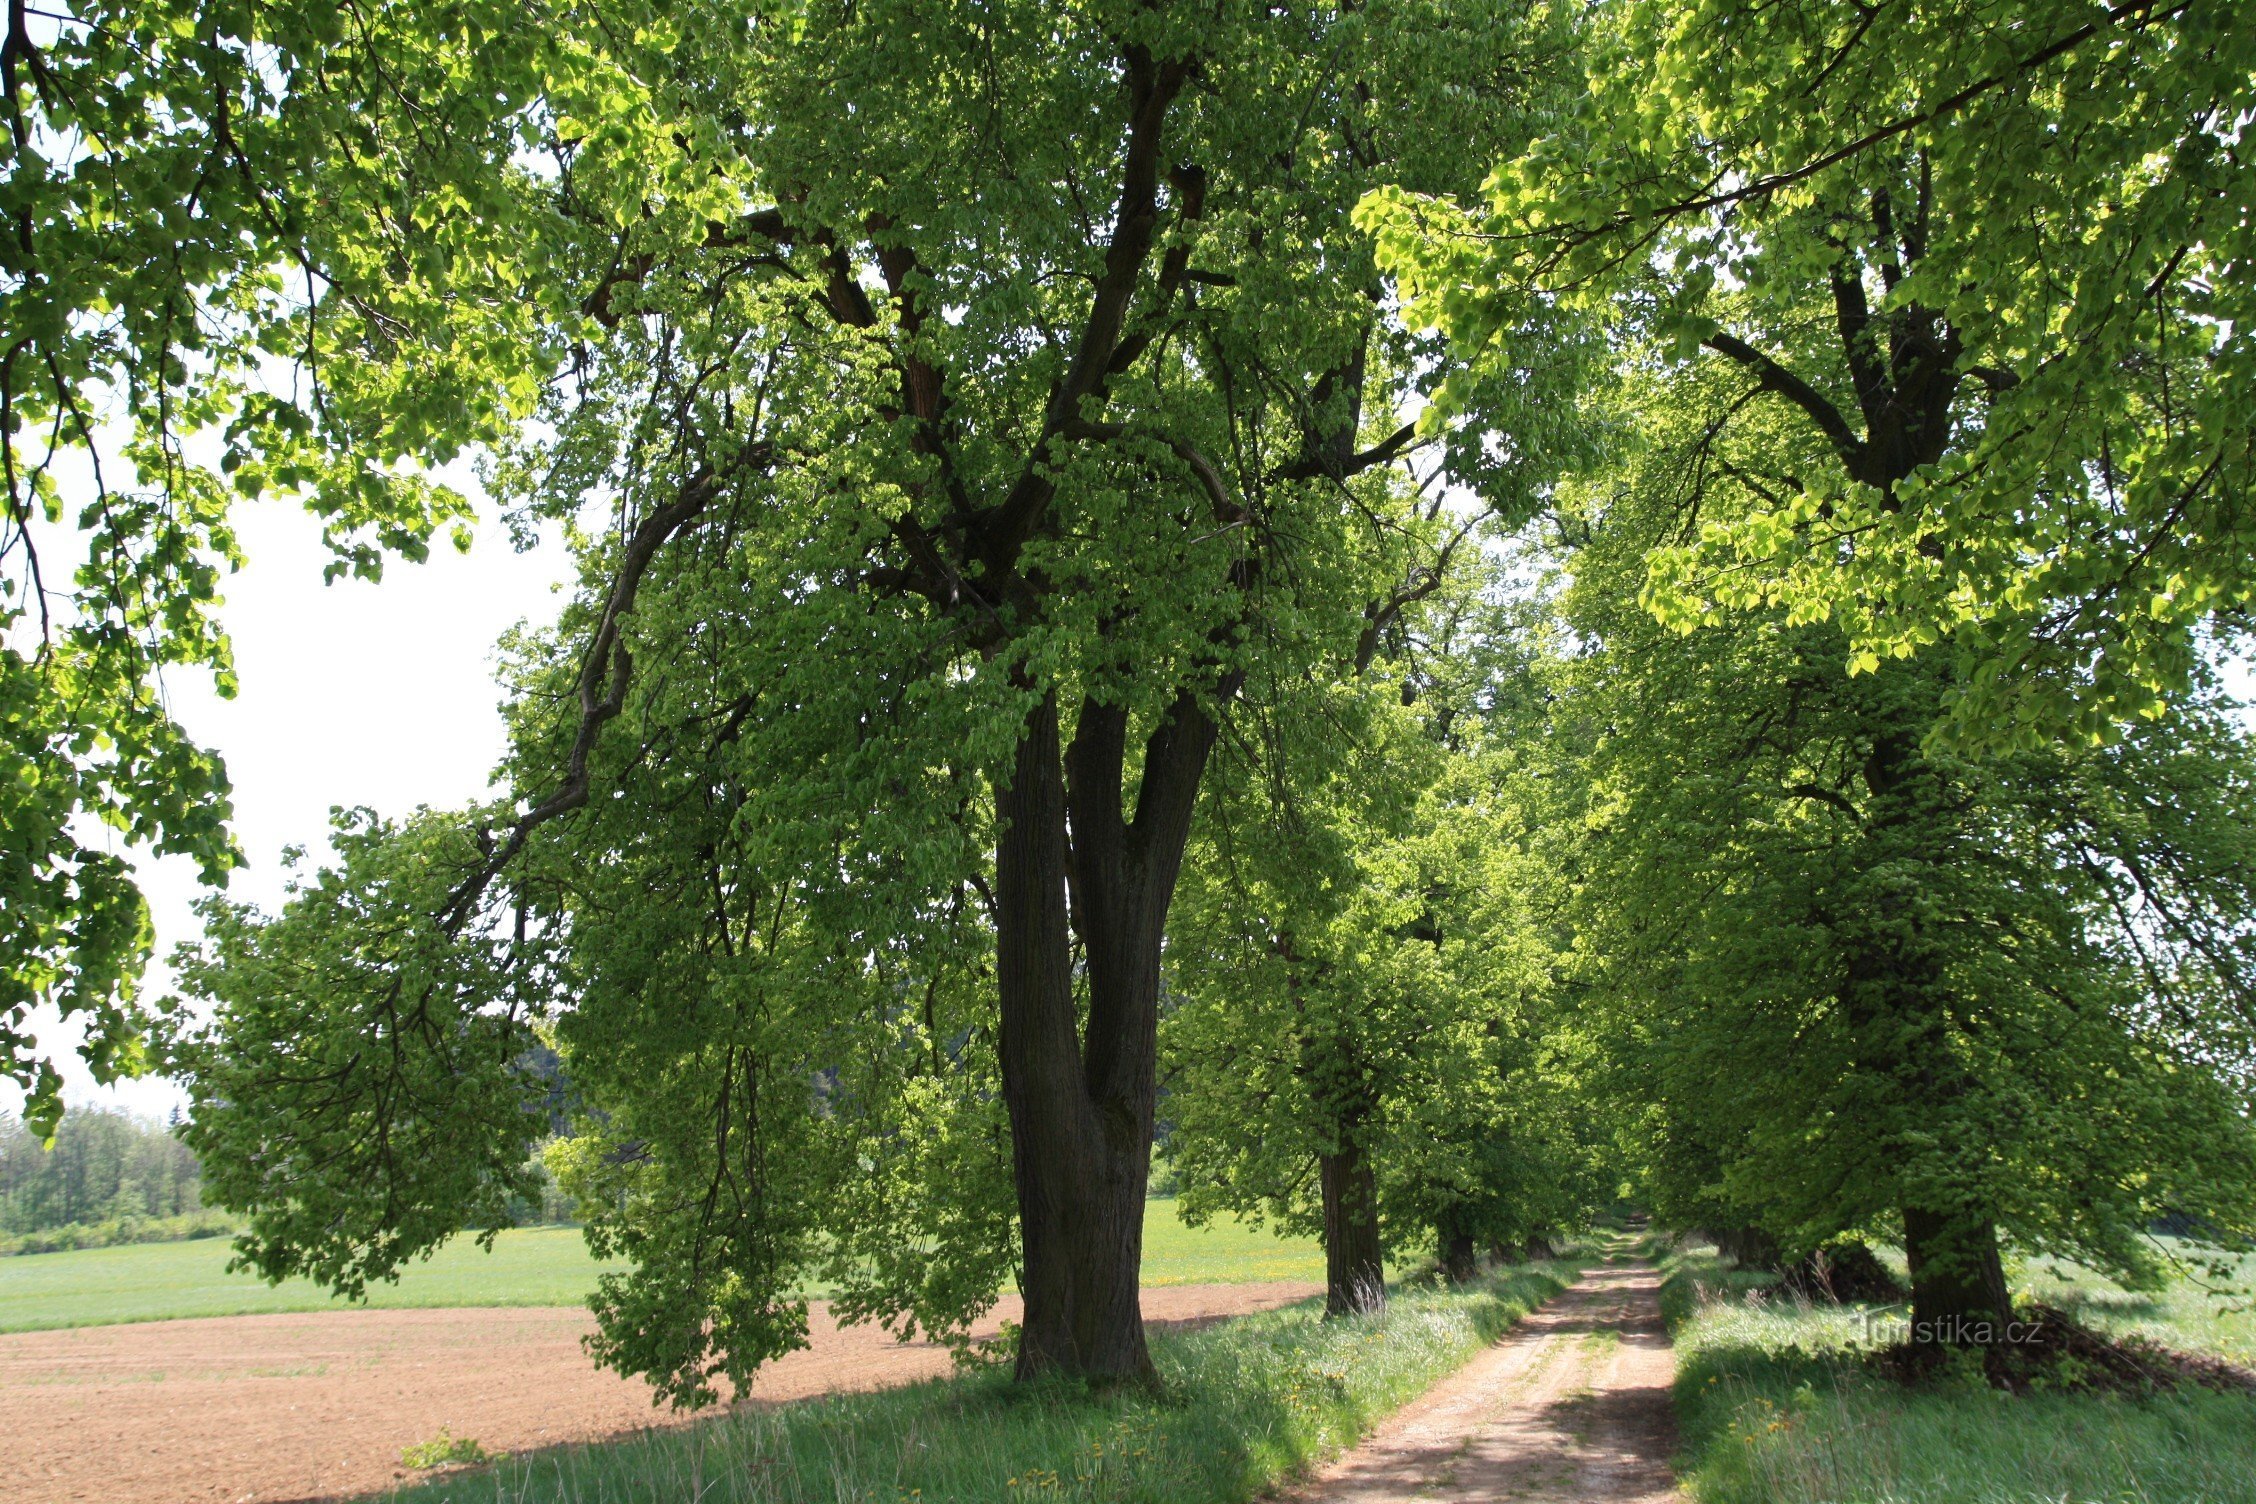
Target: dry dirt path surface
x,y
238,1409
1572,1406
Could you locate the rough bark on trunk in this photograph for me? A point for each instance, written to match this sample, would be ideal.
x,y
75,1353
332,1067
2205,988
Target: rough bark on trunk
x,y
1843,1273
1354,1267
1898,1000
1748,1247
1958,1292
1069,865
1457,1256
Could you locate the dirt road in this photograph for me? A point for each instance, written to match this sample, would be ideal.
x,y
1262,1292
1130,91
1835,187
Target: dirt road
x,y
240,1409
1573,1405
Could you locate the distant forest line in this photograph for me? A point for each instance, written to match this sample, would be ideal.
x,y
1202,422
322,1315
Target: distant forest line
x,y
111,1177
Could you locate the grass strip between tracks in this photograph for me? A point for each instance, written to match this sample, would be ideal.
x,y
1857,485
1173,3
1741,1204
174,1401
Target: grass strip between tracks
x,y
1246,1403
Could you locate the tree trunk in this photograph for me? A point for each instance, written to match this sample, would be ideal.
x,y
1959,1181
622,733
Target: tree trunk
x,y
1898,1002
1354,1269
1748,1247
1958,1293
1458,1258
1081,1096
1844,1273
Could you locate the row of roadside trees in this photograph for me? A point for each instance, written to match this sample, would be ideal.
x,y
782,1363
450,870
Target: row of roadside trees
x,y
1502,599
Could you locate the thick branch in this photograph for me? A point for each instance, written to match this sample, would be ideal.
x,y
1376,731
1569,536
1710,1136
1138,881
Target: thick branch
x,y
1227,508
1094,763
1153,88
1309,466
1174,761
1824,795
1774,377
1852,317
1189,183
1993,377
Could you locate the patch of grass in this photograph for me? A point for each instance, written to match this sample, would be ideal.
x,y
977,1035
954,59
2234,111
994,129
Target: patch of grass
x,y
2185,1316
534,1266
1245,1403
1694,1275
449,1450
1778,1405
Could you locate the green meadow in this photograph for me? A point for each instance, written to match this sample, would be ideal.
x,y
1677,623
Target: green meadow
x,y
534,1266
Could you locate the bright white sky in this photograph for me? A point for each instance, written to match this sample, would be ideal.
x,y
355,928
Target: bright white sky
x,y
353,693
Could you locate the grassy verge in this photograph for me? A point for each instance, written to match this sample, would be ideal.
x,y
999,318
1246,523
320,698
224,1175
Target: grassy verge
x,y
1246,1403
2184,1316
534,1266
1777,1406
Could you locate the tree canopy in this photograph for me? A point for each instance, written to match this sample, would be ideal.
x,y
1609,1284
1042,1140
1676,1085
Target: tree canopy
x,y
1363,1039
252,252
1498,598
1995,253
1930,326
1850,983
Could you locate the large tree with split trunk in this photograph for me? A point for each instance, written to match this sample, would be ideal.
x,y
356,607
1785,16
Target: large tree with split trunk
x,y
960,407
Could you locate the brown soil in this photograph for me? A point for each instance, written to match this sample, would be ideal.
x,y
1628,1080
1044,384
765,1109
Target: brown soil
x,y
1573,1404
269,1408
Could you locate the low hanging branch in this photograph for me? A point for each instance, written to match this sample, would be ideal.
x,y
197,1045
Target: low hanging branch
x,y
604,676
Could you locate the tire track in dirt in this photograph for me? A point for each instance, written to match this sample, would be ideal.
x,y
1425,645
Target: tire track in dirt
x,y
318,1405
1572,1405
